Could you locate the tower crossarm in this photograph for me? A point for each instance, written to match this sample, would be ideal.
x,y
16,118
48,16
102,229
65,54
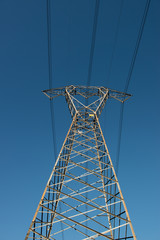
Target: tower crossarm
x,y
120,96
86,92
85,99
54,92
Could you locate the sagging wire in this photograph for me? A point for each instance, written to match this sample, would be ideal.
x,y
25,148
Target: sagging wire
x,y
90,66
140,33
50,86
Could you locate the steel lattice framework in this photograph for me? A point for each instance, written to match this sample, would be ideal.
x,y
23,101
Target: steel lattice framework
x,y
83,198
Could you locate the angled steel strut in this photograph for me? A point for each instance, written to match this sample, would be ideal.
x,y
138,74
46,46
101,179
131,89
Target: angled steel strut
x,y
83,175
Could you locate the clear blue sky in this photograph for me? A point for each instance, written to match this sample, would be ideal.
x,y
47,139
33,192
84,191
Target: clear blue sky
x,y
26,148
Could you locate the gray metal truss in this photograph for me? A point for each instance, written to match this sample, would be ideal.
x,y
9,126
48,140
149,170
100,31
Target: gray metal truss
x,y
83,198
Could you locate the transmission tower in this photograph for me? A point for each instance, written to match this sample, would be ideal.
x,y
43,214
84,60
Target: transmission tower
x,y
83,198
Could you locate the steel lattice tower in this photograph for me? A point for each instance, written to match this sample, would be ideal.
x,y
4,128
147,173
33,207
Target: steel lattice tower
x,y
83,198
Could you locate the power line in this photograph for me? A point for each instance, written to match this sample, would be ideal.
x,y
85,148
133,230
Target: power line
x,y
49,43
140,33
50,86
114,48
50,73
92,48
90,66
53,128
115,41
137,44
109,72
119,137
96,12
